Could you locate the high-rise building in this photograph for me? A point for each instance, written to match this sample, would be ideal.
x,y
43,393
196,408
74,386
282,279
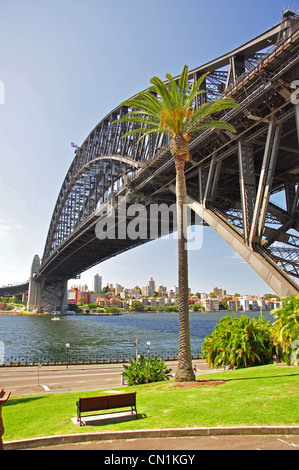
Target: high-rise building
x,y
97,283
151,286
219,292
117,289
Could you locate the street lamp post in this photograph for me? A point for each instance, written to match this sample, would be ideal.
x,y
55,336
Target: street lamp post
x,y
67,354
136,347
148,348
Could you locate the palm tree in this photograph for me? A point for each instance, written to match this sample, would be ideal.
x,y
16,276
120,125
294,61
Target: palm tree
x,y
168,108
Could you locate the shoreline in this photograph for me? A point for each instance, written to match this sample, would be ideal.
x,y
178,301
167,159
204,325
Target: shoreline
x,y
14,312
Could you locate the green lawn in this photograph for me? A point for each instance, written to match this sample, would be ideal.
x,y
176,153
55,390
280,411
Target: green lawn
x,y
266,395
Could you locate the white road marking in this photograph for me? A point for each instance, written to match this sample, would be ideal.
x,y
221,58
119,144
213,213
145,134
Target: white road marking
x,y
66,376
288,443
46,388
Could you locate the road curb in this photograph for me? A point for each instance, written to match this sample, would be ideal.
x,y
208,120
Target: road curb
x,y
150,434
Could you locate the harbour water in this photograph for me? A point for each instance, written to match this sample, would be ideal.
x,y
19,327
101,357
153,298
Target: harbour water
x,y
101,336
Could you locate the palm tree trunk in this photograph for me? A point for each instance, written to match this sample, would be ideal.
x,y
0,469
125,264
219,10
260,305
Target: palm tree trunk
x,y
184,371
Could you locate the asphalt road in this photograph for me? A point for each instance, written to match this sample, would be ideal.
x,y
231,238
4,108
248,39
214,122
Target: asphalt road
x,y
60,379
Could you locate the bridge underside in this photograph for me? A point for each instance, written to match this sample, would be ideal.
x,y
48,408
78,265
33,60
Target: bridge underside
x,y
85,248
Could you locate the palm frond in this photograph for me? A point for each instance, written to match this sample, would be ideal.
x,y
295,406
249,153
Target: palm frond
x,y
168,108
163,91
183,80
173,87
194,91
213,124
154,130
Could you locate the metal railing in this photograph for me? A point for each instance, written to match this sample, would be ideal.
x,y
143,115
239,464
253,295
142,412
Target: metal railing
x,y
79,358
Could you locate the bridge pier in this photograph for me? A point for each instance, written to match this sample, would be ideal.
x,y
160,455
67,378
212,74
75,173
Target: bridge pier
x,y
45,294
34,286
53,295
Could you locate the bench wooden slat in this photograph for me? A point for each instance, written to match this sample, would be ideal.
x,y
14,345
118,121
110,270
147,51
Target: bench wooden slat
x,y
116,401
93,404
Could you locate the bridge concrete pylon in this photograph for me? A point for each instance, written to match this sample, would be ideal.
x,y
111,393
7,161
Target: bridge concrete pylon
x,y
34,286
45,294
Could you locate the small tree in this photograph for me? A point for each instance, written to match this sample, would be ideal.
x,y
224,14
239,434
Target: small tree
x,y
145,370
239,342
169,108
137,306
286,328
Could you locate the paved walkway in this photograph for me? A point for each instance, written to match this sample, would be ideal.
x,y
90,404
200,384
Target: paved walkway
x,y
179,444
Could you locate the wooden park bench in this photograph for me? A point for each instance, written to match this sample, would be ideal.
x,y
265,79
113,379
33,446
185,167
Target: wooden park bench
x,y
106,402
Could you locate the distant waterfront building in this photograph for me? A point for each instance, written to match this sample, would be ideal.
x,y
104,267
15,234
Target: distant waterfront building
x,y
117,289
97,283
210,304
244,303
149,289
75,297
160,289
124,294
219,292
171,294
234,304
151,286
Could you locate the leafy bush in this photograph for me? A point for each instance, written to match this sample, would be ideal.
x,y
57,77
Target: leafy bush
x,y
137,306
146,370
286,329
239,342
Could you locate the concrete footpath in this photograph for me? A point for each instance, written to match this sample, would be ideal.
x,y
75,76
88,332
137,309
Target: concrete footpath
x,y
218,438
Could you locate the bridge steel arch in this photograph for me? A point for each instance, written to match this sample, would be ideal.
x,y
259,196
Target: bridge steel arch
x,y
232,180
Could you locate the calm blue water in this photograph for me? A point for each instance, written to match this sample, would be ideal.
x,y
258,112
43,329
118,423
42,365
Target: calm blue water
x,y
102,335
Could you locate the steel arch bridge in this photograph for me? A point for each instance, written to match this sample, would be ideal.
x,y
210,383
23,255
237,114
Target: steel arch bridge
x,y
232,180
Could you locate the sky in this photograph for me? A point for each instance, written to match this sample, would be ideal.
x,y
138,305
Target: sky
x,y
64,65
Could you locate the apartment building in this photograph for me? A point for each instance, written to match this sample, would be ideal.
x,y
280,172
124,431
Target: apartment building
x,y
210,304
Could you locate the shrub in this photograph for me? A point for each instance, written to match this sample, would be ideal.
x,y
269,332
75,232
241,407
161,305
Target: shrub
x,y
137,306
239,342
286,329
146,370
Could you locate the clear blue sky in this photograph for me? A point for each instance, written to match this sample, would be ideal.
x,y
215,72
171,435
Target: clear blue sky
x,y
66,64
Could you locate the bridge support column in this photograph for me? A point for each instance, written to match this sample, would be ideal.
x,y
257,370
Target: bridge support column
x,y
279,281
34,286
45,294
53,295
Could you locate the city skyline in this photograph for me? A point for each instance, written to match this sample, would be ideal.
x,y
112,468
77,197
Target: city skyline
x,y
50,101
158,296
150,284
